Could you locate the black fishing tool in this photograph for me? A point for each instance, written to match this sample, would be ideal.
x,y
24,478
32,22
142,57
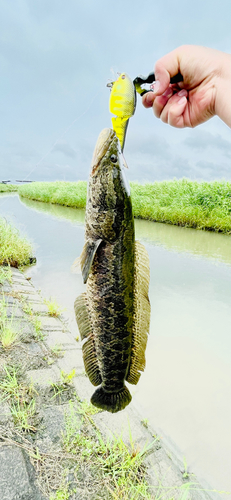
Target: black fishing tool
x,y
139,81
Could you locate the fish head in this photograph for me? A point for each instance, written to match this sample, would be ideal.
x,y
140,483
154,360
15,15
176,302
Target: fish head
x,y
108,161
108,189
105,144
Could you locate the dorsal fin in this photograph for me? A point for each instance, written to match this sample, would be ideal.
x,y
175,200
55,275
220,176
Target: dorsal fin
x,y
141,313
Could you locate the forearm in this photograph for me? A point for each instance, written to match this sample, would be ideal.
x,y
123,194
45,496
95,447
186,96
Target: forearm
x,y
223,91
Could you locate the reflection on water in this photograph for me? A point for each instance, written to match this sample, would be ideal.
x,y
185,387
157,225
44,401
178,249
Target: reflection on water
x,y
74,215
202,243
182,239
185,389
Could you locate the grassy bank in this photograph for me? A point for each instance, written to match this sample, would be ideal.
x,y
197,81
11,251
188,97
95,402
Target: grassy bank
x,y
70,194
8,188
15,250
205,205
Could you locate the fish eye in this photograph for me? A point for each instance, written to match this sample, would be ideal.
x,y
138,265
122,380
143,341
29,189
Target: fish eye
x,y
113,158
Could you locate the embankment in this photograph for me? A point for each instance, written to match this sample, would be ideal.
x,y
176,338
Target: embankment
x,y
199,205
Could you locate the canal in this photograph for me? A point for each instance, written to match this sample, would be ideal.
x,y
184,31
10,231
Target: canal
x,y
185,391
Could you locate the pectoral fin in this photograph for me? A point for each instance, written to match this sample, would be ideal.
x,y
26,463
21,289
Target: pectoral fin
x,y
76,266
87,257
85,327
141,315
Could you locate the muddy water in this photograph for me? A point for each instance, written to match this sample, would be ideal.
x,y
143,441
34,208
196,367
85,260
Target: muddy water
x,y
185,391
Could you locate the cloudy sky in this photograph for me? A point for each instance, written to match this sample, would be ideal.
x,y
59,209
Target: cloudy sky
x,y
56,58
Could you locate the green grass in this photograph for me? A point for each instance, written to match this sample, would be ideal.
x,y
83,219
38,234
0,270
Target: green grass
x,y
64,384
53,308
115,469
5,274
9,335
71,194
20,398
8,188
23,413
200,205
9,385
205,205
15,250
38,328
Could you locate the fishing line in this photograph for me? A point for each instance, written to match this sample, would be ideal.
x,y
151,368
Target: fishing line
x,y
60,137
64,133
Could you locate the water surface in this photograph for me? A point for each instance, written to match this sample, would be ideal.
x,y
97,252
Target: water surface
x,y
185,391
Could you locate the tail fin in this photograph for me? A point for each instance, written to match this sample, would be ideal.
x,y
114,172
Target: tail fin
x,y
111,401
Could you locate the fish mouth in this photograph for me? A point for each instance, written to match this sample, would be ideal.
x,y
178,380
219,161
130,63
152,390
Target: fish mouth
x,y
104,141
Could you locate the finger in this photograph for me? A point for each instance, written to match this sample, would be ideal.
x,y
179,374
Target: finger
x,y
173,112
161,101
176,113
147,99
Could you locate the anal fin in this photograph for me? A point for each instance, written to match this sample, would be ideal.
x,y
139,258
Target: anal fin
x,y
86,332
141,314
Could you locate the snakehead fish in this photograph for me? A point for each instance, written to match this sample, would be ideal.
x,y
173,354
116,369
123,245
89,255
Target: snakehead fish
x,y
113,314
122,103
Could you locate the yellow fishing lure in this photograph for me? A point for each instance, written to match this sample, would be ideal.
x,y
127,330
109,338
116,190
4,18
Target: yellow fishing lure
x,y
122,103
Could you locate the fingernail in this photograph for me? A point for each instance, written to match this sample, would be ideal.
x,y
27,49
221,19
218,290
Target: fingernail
x,y
156,86
183,100
182,93
168,93
149,99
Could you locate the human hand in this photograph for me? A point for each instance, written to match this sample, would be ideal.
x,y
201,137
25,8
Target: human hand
x,y
204,92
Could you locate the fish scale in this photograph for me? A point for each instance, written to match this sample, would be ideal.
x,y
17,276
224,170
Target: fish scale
x,y
113,314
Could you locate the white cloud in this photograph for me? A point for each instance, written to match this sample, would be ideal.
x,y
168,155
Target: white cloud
x,y
64,148
201,140
55,65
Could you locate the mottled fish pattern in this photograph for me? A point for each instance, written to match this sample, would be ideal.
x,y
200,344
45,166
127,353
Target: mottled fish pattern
x,y
113,314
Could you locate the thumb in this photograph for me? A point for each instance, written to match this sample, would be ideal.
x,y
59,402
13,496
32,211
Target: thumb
x,y
165,68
